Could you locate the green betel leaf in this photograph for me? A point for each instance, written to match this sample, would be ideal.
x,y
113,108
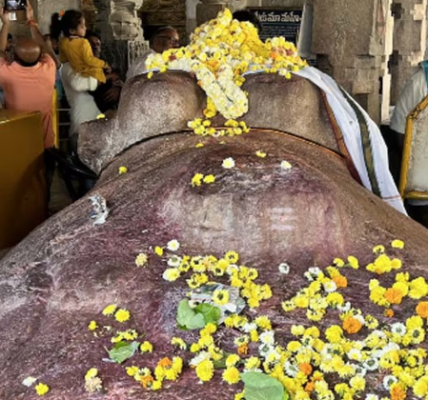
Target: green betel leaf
x,y
210,313
259,386
122,351
188,318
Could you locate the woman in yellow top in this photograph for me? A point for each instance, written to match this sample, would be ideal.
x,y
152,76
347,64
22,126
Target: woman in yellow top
x,y
76,50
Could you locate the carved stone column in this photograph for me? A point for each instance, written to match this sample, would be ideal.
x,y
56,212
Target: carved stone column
x,y
349,39
409,41
209,9
121,31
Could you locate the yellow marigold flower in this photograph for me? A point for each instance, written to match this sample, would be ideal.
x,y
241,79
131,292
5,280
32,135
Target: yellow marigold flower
x,y
263,322
221,297
205,370
210,328
141,260
334,334
146,347
132,371
156,385
232,257
122,315
420,389
254,336
209,179
232,360
231,375
123,170
393,296
197,179
92,325
199,145
352,325
335,299
41,389
261,154
240,395
418,288
92,373
353,262
379,249
397,244
110,309
150,75
338,262
358,383
414,322
159,251
180,343
194,348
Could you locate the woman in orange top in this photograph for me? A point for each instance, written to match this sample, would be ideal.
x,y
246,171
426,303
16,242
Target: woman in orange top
x,y
76,50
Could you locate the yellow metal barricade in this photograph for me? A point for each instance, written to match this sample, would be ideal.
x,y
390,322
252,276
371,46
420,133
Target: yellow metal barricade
x,y
406,189
55,118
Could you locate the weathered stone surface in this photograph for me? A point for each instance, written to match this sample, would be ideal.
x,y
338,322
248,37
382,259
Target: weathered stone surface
x,y
66,272
180,100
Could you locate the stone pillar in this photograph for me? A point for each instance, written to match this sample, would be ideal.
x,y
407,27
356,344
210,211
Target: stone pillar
x,y
209,9
349,39
410,35
121,32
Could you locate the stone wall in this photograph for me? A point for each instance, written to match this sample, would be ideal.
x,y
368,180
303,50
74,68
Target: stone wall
x,y
48,7
410,38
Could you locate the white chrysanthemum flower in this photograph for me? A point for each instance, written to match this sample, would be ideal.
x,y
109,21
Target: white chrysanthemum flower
x,y
360,318
248,327
173,245
285,165
372,364
265,349
284,268
29,381
330,286
202,356
228,163
360,371
312,273
345,307
399,329
388,381
371,396
171,274
267,337
291,369
355,355
174,261
231,269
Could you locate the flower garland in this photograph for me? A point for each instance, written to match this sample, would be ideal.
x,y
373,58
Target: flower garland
x,y
220,52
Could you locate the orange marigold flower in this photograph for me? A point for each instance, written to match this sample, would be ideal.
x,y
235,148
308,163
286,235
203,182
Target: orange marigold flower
x,y
388,313
394,296
351,325
422,309
165,362
340,281
397,392
306,368
310,387
243,349
146,380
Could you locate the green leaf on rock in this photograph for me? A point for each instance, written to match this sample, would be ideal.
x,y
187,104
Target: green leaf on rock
x,y
122,351
259,386
189,318
210,313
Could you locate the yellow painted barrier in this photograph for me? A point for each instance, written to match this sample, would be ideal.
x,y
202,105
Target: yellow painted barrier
x,y
405,192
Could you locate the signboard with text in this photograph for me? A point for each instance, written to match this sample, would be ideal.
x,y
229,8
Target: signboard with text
x,y
285,23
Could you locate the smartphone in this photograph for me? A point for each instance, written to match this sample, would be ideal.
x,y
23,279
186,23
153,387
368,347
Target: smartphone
x,y
15,5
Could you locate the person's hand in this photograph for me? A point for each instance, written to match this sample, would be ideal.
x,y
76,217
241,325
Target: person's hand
x,y
29,12
113,94
4,16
